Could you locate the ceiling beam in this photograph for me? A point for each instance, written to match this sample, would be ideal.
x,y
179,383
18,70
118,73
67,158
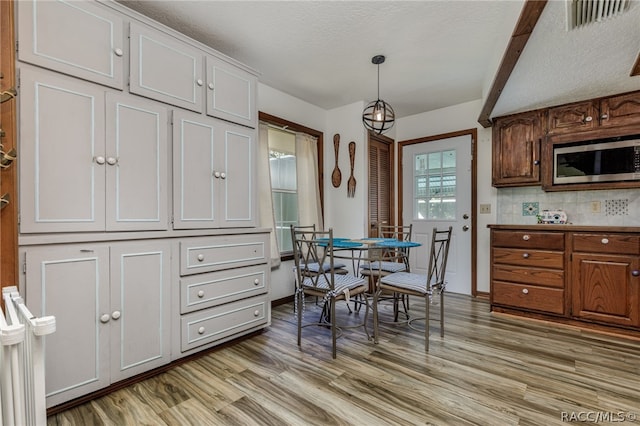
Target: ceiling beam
x,y
636,67
531,11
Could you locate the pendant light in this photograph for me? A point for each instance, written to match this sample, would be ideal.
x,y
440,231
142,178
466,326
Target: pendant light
x,y
378,116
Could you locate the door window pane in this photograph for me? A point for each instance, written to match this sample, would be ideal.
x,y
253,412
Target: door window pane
x,y
435,186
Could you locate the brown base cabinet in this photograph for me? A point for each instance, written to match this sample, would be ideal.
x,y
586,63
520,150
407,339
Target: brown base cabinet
x,y
584,274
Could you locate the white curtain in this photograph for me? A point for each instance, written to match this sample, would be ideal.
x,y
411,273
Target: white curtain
x,y
309,209
266,217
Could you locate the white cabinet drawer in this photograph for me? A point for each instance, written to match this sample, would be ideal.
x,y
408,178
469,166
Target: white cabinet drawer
x,y
206,326
210,254
212,289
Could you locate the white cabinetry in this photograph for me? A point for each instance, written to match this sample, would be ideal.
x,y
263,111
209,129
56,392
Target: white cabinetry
x,y
231,92
73,37
214,173
112,309
80,173
223,291
165,68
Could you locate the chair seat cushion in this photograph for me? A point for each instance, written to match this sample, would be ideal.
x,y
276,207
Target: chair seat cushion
x,y
315,266
384,266
342,283
407,280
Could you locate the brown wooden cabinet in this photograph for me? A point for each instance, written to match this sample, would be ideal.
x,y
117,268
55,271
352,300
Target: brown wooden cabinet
x,y
605,276
516,149
572,118
622,110
570,273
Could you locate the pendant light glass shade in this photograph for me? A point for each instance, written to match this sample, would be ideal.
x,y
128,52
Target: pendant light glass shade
x,y
378,116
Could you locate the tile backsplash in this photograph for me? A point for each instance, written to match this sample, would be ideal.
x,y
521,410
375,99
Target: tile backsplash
x,y
620,207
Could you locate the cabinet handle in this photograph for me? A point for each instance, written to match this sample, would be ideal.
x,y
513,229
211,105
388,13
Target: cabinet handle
x,y
525,291
118,52
536,163
201,330
605,241
223,175
525,255
116,315
201,294
216,174
99,159
200,257
199,82
210,86
104,318
588,119
256,313
256,281
112,161
526,237
635,273
604,116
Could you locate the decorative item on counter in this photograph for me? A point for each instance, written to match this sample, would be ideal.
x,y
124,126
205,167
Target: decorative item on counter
x,y
556,217
336,176
351,183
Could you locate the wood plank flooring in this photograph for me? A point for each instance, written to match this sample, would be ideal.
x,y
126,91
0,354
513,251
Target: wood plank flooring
x,y
489,369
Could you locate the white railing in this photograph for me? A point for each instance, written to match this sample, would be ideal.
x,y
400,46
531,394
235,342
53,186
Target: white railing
x,y
22,390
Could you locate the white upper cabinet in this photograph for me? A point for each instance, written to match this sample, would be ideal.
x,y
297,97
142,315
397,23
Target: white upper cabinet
x,y
231,93
77,38
165,68
214,177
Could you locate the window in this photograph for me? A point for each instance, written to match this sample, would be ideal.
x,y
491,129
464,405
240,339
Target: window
x,y
282,161
435,185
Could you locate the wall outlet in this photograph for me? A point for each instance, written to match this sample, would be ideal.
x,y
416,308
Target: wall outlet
x,y
595,207
485,208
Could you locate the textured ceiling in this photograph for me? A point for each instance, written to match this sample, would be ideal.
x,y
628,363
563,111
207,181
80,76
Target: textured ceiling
x,y
439,53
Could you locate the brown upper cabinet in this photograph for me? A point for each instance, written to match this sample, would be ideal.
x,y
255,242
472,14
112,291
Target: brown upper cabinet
x,y
516,149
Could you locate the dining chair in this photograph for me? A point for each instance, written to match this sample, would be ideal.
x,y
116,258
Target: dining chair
x,y
316,247
429,285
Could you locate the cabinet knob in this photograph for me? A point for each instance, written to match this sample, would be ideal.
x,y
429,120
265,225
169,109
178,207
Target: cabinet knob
x,y
210,86
216,174
588,119
116,315
223,175
111,161
99,159
199,82
256,313
525,291
256,281
104,318
201,330
604,241
536,163
604,116
635,273
525,255
118,52
200,257
201,294
526,237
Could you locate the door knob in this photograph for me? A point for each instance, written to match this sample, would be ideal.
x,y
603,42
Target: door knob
x,y
465,228
465,216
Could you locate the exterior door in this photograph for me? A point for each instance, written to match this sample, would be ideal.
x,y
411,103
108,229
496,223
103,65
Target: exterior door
x,y
380,183
436,178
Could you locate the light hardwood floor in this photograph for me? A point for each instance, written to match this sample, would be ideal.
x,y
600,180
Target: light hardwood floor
x,y
489,369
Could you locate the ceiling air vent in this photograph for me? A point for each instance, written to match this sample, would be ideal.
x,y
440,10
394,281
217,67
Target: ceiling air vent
x,y
583,12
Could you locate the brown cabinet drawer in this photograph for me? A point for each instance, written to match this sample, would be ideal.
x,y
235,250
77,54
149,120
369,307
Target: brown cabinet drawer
x,y
528,297
524,275
207,254
215,288
539,258
607,243
524,239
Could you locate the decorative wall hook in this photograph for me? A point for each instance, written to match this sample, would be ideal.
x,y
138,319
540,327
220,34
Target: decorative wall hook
x,y
8,94
5,200
6,158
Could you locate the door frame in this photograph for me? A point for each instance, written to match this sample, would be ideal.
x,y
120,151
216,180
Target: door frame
x,y
390,142
474,178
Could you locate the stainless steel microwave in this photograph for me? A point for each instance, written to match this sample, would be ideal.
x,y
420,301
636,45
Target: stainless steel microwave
x,y
605,160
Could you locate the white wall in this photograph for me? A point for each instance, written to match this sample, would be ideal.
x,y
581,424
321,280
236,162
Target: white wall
x,y
451,119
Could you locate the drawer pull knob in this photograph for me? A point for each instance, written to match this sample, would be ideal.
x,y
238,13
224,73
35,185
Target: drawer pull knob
x,y
200,257
256,312
201,330
211,86
525,255
199,82
256,281
635,273
525,290
526,237
605,241
118,52
201,294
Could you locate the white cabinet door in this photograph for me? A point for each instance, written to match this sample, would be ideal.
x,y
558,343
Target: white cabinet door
x,y
166,69
140,307
79,38
237,176
231,92
195,153
72,284
62,148
136,164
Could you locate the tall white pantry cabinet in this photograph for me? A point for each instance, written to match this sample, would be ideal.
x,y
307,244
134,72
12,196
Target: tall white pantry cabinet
x,y
138,227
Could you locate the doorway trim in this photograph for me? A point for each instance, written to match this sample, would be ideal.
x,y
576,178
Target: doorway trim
x,y
474,177
386,141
